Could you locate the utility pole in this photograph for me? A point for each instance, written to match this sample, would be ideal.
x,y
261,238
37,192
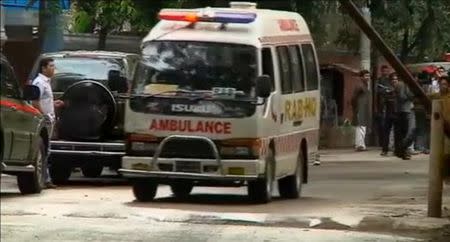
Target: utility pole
x,y
50,30
2,28
364,52
54,27
435,174
365,42
42,22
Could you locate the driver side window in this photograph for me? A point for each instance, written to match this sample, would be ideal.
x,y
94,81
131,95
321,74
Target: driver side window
x,y
9,85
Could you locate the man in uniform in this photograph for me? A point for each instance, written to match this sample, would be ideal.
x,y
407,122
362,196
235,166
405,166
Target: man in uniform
x,y
46,105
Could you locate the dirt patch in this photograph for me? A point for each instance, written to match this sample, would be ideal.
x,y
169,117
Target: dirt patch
x,y
93,215
18,213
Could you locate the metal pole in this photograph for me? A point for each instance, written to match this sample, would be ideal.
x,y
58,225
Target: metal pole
x,y
388,54
365,42
2,27
54,28
436,161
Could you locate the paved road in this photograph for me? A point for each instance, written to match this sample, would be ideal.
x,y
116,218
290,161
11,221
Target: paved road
x,y
121,230
340,195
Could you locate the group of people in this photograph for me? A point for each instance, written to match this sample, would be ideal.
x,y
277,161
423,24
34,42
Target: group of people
x,y
402,122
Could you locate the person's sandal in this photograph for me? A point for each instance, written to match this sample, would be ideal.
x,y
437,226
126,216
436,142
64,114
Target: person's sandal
x,y
50,185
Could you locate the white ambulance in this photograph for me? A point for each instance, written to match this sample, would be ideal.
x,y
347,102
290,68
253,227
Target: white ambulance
x,y
224,97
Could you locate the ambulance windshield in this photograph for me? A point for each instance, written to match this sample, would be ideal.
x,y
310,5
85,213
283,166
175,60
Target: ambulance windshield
x,y
196,66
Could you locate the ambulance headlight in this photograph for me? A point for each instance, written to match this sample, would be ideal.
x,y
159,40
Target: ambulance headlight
x,y
240,148
144,146
236,151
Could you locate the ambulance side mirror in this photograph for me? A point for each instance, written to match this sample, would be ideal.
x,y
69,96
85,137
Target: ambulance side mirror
x,y
263,86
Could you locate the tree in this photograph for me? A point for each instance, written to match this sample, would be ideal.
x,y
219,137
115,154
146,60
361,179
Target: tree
x,y
410,27
47,8
107,15
418,29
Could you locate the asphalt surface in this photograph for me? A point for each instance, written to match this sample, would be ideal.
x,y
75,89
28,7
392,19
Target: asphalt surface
x,y
344,199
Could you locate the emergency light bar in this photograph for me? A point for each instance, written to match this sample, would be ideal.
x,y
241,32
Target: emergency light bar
x,y
207,16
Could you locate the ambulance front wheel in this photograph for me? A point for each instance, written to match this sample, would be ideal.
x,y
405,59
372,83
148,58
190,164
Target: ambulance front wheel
x,y
181,190
144,190
260,191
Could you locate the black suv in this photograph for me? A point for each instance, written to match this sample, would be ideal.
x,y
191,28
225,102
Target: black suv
x,y
89,129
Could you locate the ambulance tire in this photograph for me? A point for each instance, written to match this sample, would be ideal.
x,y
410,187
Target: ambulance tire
x,y
144,190
181,190
260,191
291,186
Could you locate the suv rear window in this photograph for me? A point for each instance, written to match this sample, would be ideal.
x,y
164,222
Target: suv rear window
x,y
70,70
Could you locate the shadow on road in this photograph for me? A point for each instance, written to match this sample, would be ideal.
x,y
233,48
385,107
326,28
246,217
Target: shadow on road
x,y
110,180
10,194
233,203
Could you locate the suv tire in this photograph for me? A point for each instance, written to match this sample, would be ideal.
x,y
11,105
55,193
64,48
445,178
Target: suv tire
x,y
60,172
92,170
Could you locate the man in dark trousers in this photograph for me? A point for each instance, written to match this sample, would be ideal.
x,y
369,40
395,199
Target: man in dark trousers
x,y
361,110
389,104
383,84
404,122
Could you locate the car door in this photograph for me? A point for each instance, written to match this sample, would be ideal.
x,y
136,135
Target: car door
x,y
18,118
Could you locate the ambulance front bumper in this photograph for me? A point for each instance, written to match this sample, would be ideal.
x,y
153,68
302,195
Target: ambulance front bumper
x,y
193,169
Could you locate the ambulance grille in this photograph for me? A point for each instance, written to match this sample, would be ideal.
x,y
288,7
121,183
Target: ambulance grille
x,y
187,149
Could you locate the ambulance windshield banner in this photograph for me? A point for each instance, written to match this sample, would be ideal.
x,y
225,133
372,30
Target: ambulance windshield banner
x,y
193,107
197,66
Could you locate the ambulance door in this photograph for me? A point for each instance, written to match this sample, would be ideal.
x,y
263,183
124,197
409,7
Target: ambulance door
x,y
312,121
284,147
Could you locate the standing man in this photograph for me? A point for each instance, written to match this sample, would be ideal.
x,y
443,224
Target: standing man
x,y
404,123
383,85
390,113
46,105
361,110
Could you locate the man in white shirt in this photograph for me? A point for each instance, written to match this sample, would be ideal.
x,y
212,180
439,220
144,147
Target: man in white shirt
x,y
46,105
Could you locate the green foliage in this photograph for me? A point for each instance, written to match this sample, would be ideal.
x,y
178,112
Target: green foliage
x,y
106,14
82,22
410,27
113,13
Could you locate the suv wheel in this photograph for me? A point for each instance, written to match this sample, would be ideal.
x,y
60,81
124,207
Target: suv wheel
x,y
60,172
92,170
30,183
